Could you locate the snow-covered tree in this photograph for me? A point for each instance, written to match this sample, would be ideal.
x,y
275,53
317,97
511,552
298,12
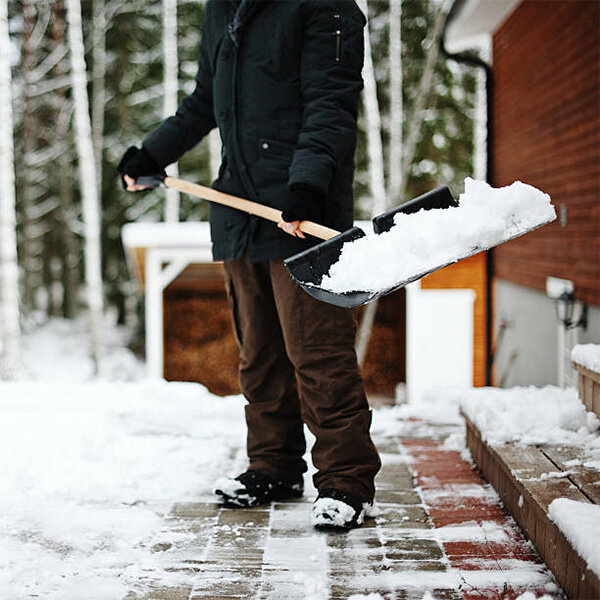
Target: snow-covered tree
x,y
9,277
87,174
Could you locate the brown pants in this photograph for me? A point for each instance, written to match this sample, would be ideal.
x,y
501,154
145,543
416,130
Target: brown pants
x,y
298,365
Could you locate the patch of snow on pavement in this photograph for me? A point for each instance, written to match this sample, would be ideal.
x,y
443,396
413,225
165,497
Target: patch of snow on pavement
x,y
580,522
88,471
526,575
298,566
531,596
425,240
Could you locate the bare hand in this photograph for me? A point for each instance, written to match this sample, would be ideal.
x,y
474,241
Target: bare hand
x,y
292,228
132,186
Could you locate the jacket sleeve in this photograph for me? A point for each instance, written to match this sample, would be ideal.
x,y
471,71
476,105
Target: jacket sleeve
x,y
331,82
194,118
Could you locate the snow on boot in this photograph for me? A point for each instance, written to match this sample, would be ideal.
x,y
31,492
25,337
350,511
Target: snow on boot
x,y
335,509
253,488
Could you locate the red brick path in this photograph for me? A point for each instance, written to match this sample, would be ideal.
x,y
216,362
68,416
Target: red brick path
x,y
454,493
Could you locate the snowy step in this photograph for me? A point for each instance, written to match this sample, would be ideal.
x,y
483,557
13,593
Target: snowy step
x,y
586,361
529,479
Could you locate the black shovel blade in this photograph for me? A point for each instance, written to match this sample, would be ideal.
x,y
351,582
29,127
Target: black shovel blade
x,y
438,198
309,267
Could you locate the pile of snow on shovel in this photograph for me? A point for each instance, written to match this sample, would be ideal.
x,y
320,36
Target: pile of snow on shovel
x,y
426,240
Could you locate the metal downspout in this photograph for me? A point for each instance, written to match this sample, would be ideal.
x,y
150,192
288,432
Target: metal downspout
x,y
474,61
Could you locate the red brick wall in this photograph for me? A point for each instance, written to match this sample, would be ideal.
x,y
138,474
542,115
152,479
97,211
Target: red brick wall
x,y
546,63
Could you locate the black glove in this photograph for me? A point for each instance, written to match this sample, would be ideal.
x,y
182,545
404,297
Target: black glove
x,y
304,204
137,162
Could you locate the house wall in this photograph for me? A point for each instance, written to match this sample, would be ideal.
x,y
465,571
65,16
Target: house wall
x,y
546,58
527,353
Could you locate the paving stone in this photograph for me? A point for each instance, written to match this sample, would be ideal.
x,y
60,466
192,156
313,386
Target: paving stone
x,y
161,593
413,549
395,496
195,510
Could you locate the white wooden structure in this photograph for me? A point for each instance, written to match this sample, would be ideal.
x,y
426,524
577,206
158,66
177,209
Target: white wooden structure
x,y
157,254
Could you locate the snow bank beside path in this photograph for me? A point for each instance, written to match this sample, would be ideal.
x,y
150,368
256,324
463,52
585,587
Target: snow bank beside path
x,y
580,522
89,469
530,415
588,356
419,242
58,350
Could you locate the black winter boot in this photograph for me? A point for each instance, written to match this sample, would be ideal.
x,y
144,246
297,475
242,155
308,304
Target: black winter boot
x,y
253,488
338,510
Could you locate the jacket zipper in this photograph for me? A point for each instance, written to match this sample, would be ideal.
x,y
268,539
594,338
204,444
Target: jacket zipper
x,y
337,34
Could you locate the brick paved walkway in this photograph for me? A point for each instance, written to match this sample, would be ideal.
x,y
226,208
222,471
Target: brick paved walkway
x,y
441,530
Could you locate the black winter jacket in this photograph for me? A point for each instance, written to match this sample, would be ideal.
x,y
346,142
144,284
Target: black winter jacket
x,y
283,91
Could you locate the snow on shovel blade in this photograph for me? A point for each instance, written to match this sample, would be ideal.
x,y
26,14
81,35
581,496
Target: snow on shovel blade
x,y
309,267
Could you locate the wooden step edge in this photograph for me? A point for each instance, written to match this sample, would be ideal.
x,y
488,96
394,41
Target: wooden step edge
x,y
588,388
569,569
586,372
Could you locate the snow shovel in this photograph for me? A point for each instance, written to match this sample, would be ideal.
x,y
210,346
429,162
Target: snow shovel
x,y
310,266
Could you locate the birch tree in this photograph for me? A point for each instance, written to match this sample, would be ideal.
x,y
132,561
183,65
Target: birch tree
x,y
396,100
418,110
376,172
170,89
373,126
99,31
66,209
9,277
87,174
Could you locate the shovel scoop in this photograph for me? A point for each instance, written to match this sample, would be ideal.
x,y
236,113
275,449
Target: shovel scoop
x,y
309,268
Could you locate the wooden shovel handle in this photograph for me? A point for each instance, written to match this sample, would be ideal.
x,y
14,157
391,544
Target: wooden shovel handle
x,y
253,208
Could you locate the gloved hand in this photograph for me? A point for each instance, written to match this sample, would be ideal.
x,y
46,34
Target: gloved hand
x,y
304,204
137,162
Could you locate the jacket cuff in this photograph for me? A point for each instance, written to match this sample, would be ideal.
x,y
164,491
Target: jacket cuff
x,y
317,177
154,151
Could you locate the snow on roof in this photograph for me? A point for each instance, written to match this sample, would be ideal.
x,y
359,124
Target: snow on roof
x,y
474,20
144,235
588,356
170,235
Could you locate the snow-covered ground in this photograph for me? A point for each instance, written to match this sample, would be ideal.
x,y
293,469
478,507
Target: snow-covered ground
x,y
90,466
91,471
58,350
